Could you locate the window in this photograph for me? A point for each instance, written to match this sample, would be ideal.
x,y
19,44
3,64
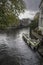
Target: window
x,y
42,11
42,22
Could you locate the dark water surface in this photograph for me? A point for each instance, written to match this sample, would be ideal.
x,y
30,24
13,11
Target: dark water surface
x,y
14,51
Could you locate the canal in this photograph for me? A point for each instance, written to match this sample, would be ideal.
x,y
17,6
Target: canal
x,y
14,51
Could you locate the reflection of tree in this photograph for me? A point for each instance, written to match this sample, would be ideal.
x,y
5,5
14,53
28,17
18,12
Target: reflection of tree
x,y
9,11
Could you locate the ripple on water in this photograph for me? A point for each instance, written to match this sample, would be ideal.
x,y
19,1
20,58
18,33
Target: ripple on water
x,y
14,51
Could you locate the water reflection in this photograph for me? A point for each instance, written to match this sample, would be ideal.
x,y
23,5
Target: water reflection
x,y
14,51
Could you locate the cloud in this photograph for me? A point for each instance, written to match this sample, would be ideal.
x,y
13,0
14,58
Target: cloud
x,y
32,4
27,14
32,7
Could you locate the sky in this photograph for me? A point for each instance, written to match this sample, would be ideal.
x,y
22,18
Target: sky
x,y
32,6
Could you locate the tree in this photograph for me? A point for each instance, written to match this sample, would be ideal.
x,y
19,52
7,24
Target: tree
x,y
9,11
35,22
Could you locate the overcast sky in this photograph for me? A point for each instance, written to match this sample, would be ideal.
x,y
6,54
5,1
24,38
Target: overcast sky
x,y
32,6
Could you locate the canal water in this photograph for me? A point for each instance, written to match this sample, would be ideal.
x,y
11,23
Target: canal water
x,y
14,51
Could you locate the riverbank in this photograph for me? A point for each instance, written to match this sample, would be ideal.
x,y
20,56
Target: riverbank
x,y
12,28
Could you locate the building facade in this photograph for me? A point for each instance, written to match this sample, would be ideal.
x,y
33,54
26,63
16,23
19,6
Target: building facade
x,y
41,16
25,22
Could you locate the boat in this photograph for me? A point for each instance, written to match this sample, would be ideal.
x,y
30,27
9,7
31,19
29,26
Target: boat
x,y
25,37
33,43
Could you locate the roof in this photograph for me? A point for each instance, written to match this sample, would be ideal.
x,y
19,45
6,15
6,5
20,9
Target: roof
x,y
40,3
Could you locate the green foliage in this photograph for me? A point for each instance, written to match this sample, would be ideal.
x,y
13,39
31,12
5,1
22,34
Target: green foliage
x,y
34,23
9,11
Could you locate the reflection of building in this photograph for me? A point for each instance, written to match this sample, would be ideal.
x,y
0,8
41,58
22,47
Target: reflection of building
x,y
41,16
25,22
